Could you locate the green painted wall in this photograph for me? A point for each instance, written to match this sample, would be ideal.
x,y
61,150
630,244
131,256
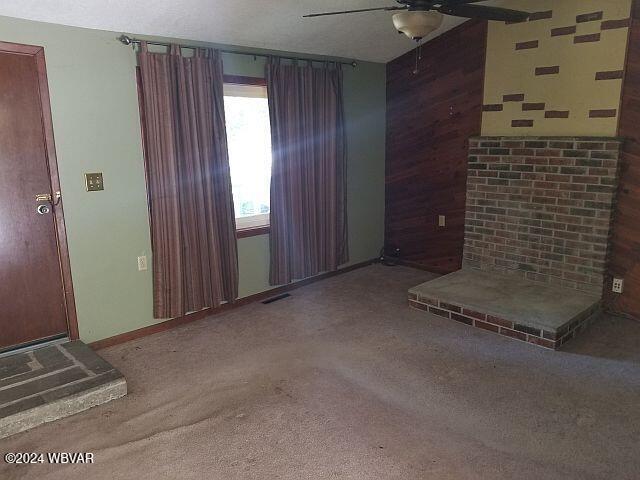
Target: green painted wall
x,y
96,124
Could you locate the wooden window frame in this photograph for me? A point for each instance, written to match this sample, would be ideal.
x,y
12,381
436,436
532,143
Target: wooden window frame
x,y
240,80
257,81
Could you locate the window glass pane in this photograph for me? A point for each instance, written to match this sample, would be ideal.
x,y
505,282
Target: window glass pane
x,y
249,139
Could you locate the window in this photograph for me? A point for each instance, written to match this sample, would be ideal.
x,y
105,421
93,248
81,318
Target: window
x,y
249,140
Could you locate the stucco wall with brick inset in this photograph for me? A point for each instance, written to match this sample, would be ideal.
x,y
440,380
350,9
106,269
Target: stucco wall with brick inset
x,y
560,73
541,207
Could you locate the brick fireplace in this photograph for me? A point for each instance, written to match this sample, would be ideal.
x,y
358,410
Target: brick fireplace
x,y
538,219
541,208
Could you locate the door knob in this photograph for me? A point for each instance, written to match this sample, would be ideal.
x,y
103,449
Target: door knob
x,y
43,209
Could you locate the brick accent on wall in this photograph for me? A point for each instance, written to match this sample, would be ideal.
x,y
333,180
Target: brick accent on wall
x,y
541,207
523,58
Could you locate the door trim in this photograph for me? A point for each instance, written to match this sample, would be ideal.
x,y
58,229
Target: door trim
x,y
52,165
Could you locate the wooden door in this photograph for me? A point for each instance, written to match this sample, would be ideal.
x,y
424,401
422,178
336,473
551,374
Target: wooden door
x,y
33,304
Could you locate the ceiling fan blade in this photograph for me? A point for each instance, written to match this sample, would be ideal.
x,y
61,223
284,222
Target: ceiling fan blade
x,y
354,11
485,13
452,3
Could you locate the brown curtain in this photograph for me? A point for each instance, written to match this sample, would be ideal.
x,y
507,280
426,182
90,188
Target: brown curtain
x,y
195,262
308,176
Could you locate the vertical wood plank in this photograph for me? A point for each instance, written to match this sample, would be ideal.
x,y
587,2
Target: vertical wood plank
x,y
625,248
430,117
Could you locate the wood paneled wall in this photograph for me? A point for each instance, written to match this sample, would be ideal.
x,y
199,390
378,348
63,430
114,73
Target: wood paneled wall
x,y
430,117
625,258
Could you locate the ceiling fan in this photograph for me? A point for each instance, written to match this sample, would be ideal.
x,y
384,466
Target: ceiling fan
x,y
418,18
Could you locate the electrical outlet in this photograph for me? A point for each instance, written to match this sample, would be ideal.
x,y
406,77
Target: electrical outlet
x,y
618,285
142,263
442,220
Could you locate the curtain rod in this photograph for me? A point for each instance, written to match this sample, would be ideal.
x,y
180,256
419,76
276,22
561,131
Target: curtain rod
x,y
126,40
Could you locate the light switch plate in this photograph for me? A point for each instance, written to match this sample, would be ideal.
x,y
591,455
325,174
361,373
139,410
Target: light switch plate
x,y
94,181
442,221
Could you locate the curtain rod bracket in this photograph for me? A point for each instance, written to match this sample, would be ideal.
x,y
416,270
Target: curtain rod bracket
x,y
125,39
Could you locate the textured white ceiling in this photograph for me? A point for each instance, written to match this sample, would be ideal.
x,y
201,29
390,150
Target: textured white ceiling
x,y
266,24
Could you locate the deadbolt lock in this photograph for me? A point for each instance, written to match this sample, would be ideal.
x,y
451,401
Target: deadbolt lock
x,y
46,197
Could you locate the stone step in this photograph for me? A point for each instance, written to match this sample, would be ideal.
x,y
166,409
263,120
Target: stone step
x,y
53,382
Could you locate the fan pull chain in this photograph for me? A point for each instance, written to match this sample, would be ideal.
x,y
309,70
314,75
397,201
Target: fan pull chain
x,y
418,57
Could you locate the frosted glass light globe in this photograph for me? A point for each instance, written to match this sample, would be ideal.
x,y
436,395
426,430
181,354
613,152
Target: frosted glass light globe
x,y
417,24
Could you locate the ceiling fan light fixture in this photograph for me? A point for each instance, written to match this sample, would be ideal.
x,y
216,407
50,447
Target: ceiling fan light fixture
x,y
417,24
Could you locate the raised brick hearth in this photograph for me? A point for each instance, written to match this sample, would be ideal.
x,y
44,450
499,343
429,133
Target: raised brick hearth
x,y
514,307
537,230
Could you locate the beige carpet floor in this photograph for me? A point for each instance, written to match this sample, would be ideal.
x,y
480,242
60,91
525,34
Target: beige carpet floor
x,y
343,381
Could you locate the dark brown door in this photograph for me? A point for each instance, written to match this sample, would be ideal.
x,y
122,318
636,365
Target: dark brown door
x,y
32,298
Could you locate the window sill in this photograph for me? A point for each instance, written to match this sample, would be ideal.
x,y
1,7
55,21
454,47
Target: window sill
x,y
252,231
